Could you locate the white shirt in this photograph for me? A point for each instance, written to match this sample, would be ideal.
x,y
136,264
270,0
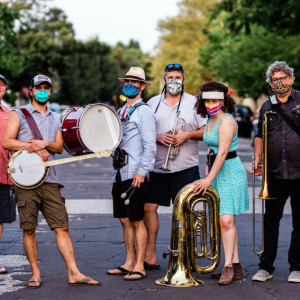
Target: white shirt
x,y
165,118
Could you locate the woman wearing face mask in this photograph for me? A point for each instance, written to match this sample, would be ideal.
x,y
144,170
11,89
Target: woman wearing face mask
x,y
224,171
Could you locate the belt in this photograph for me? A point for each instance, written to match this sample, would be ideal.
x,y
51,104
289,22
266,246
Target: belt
x,y
211,158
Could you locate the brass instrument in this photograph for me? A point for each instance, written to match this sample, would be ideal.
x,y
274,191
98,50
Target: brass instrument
x,y
188,225
176,149
264,193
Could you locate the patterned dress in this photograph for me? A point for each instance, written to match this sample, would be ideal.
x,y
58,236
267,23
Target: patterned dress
x,y
231,181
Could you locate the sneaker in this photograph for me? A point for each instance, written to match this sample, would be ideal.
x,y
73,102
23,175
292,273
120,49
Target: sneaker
x,y
262,275
294,276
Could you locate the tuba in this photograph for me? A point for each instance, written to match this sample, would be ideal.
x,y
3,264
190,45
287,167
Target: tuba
x,y
264,193
188,225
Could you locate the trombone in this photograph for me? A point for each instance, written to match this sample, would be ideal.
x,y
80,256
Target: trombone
x,y
264,193
176,149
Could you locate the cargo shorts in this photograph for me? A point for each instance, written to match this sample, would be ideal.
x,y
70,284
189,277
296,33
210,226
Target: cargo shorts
x,y
45,198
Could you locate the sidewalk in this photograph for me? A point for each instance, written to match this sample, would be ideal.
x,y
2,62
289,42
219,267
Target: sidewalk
x,y
98,244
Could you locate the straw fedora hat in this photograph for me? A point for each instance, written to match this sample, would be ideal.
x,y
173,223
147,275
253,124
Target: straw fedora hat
x,y
135,73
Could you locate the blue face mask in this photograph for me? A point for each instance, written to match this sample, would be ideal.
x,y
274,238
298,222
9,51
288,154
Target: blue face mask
x,y
130,90
42,96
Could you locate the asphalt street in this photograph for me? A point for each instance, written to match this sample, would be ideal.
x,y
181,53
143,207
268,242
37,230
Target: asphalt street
x,y
98,244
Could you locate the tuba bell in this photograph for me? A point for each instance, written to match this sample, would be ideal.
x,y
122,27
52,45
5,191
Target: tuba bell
x,y
188,225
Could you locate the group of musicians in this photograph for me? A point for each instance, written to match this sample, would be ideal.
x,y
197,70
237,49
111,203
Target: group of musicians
x,y
155,160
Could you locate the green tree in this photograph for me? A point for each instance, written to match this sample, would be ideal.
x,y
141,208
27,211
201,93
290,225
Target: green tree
x,y
181,37
10,62
245,39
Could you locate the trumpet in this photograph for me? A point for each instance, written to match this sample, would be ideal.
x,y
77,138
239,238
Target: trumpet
x,y
264,194
176,149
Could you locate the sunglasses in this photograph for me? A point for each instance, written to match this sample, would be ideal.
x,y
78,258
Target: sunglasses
x,y
174,66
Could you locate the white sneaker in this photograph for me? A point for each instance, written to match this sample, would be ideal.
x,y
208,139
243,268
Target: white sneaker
x,y
294,276
262,275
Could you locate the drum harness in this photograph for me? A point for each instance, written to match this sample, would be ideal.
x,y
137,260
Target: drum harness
x,y
120,157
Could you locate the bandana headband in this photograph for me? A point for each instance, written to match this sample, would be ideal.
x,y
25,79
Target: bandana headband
x,y
212,95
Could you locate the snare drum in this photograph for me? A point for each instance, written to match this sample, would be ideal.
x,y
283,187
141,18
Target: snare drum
x,y
93,128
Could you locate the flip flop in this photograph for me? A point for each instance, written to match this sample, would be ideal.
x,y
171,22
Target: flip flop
x,y
151,267
2,270
35,280
138,278
123,271
85,282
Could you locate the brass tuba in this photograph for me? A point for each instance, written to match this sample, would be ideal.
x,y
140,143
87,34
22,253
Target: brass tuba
x,y
264,193
188,225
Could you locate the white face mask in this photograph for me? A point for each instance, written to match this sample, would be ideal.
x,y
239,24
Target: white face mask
x,y
174,86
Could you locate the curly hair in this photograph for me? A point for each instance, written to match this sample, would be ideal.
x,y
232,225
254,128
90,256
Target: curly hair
x,y
229,103
278,66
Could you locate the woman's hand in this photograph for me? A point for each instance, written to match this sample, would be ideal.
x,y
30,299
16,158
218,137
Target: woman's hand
x,y
201,185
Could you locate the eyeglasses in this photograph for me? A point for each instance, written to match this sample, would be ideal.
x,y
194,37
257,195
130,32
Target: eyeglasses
x,y
174,66
275,80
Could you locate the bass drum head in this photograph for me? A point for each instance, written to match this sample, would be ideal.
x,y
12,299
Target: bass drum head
x,y
32,166
100,128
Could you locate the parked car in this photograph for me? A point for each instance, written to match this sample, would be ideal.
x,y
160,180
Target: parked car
x,y
244,117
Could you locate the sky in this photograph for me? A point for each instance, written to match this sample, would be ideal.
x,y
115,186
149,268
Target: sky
x,y
118,20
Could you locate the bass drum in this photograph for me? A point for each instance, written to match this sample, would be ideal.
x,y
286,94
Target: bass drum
x,y
93,128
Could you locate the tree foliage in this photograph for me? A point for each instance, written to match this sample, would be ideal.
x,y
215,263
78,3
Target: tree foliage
x,y
246,37
181,37
10,62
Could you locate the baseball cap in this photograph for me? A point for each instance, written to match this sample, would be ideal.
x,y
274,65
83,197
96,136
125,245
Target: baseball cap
x,y
38,79
3,79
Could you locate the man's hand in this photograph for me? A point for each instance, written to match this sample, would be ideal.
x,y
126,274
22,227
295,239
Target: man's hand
x,y
165,138
44,154
36,145
257,167
180,137
137,180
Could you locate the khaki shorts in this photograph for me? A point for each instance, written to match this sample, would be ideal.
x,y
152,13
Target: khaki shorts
x,y
45,198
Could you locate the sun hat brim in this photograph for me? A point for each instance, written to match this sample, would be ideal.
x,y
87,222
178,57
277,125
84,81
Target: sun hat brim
x,y
134,78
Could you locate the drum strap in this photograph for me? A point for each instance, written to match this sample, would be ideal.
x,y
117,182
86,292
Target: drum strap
x,y
126,119
31,123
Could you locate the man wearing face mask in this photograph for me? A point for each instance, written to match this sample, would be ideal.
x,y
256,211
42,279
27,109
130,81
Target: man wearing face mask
x,y
164,183
283,176
133,160
47,197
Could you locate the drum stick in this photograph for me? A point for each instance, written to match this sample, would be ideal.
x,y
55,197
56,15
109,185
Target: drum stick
x,y
127,201
123,195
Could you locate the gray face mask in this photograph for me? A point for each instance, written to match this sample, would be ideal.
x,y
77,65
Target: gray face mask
x,y
174,86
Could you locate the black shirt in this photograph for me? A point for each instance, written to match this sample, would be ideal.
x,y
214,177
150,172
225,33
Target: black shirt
x,y
283,149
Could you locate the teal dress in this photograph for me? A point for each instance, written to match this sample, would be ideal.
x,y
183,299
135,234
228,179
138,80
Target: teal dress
x,y
231,181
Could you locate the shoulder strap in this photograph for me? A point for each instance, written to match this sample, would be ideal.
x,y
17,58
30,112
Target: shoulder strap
x,y
31,123
286,119
133,109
